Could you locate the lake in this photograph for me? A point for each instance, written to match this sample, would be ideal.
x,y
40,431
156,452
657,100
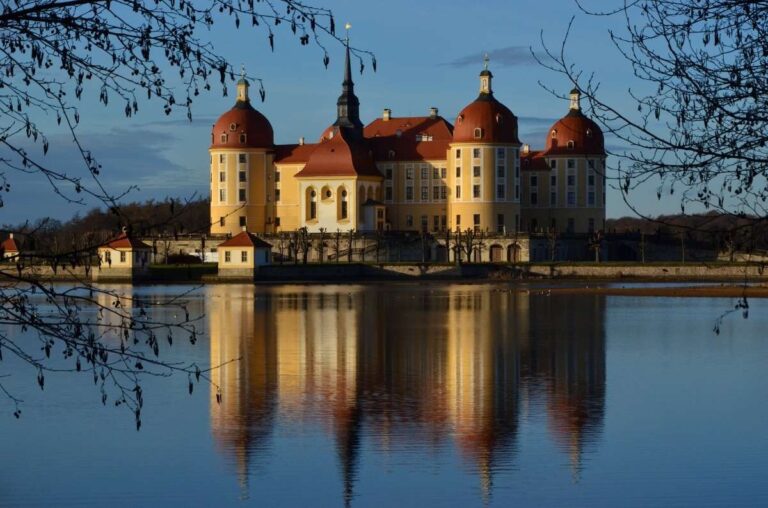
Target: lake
x,y
414,395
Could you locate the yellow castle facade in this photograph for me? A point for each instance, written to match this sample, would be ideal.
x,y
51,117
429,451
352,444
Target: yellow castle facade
x,y
407,173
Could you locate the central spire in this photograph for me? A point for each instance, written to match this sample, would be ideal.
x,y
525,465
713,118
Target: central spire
x,y
348,105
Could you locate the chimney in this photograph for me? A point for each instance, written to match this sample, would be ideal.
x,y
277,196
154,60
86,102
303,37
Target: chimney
x,y
301,140
526,148
387,115
433,112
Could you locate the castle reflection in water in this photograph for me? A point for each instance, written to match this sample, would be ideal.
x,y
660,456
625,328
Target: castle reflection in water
x,y
424,367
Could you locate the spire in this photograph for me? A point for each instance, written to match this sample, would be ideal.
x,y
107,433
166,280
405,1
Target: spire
x,y
242,87
486,77
348,105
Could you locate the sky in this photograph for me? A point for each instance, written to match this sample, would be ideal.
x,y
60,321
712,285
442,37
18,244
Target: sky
x,y
429,53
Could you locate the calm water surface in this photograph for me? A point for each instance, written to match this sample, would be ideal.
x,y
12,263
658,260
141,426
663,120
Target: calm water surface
x,y
416,395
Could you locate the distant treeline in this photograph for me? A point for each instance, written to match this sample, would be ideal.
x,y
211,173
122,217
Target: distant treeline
x,y
170,217
725,232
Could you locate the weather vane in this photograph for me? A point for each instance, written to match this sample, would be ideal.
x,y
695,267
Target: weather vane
x,y
242,71
486,59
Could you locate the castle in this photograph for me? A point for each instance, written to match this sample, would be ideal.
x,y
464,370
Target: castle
x,y
407,173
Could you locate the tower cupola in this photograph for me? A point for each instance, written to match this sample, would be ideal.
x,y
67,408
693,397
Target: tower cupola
x,y
486,77
242,87
575,100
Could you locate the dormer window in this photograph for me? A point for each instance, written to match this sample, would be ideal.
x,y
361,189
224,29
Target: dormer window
x,y
571,144
233,126
391,154
499,118
242,138
224,138
589,133
478,133
459,118
554,133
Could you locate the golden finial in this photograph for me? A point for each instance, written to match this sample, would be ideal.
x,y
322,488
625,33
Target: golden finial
x,y
347,27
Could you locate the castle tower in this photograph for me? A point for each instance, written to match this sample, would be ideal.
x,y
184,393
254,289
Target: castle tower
x,y
242,152
484,165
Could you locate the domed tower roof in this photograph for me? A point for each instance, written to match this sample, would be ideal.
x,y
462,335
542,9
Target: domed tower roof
x,y
575,134
486,120
242,126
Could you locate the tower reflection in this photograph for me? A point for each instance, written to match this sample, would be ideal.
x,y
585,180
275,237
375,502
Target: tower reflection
x,y
405,367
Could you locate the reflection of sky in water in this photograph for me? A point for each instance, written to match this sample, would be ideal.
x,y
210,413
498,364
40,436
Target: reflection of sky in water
x,y
422,395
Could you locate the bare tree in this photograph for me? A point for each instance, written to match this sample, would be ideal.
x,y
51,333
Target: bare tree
x,y
56,54
700,131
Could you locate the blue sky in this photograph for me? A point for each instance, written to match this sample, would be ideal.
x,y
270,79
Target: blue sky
x,y
429,54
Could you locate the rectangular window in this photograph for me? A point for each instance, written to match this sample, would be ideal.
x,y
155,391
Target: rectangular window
x,y
277,222
435,192
534,181
241,195
475,191
424,193
122,256
517,191
424,173
458,153
222,158
500,188
444,192
409,193
244,256
424,223
443,221
242,221
553,181
553,198
409,221
435,223
443,173
571,163
571,180
222,176
476,171
408,173
553,163
227,256
222,221
242,176
591,179
458,172
277,194
458,192
388,173
534,198
388,193
277,176
475,153
476,221
500,223
591,225
458,220
241,158
591,198
501,153
591,164
501,171
571,198
435,173
222,195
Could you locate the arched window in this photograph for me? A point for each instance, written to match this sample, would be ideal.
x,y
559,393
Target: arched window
x,y
478,133
224,138
554,133
311,204
343,203
242,138
571,144
391,154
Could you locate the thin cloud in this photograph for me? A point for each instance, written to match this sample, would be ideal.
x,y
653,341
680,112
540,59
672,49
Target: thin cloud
x,y
506,57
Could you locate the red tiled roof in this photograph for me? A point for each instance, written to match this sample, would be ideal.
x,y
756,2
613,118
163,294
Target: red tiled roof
x,y
125,241
246,239
9,245
586,136
344,154
293,154
400,136
245,120
533,161
498,123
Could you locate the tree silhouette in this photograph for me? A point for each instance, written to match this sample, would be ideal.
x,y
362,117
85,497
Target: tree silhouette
x,y
55,56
